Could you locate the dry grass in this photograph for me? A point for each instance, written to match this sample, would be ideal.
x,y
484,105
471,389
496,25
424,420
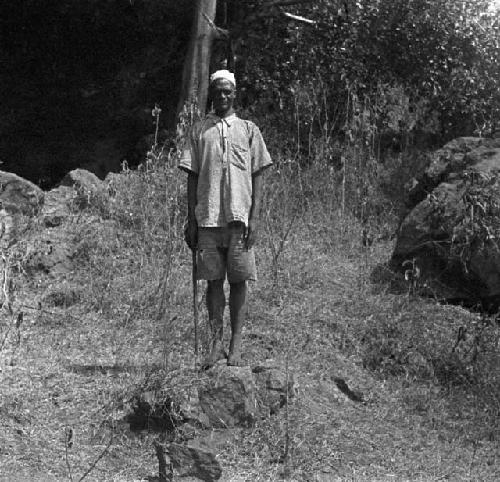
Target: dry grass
x,y
430,409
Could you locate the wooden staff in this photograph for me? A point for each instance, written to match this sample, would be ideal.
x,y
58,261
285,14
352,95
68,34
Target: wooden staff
x,y
195,304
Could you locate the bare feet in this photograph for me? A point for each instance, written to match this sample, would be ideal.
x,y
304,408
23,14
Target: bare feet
x,y
216,353
234,358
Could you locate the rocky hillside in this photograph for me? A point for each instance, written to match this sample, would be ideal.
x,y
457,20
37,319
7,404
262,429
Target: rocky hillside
x,y
343,380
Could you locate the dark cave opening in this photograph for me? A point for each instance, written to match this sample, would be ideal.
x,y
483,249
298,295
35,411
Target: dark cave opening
x,y
80,79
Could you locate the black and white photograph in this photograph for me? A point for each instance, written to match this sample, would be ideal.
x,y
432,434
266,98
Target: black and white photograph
x,y
249,240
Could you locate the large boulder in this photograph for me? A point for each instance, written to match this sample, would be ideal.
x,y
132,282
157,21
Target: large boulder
x,y
18,195
20,200
448,240
447,162
87,186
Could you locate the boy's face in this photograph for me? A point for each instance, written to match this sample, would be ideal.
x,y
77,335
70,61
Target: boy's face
x,y
222,93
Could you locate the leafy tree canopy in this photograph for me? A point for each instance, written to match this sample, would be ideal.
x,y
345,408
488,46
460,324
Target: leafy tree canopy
x,y
442,56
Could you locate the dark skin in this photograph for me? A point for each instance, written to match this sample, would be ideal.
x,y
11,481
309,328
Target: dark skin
x,y
223,93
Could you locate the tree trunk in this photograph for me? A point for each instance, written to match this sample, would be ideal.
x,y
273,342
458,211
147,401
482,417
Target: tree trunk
x,y
195,76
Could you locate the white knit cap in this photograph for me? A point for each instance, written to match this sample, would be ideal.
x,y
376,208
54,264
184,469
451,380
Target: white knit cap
x,y
223,74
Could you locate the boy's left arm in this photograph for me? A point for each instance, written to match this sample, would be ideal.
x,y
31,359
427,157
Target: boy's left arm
x,y
252,230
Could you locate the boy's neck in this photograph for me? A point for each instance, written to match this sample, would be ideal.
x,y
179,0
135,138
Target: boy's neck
x,y
224,114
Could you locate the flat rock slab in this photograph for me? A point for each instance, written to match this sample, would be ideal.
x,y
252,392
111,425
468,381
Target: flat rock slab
x,y
228,397
195,462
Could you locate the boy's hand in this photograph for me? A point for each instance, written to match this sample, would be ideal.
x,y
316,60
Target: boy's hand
x,y
251,233
191,234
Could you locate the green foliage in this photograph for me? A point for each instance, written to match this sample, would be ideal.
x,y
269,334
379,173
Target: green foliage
x,y
439,58
478,228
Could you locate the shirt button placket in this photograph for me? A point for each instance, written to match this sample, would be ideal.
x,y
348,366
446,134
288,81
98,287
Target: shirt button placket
x,y
225,153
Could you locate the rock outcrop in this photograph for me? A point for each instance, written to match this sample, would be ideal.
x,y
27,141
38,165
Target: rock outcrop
x,y
86,186
224,397
20,200
57,206
218,402
449,237
194,461
17,195
55,249
275,386
44,221
228,398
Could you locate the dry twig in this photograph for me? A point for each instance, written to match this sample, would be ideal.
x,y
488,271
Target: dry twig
x,y
96,461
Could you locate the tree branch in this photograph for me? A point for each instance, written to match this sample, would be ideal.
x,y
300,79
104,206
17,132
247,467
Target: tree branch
x,y
299,18
219,32
96,461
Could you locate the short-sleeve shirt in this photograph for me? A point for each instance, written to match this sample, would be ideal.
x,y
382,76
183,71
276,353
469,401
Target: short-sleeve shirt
x,y
225,153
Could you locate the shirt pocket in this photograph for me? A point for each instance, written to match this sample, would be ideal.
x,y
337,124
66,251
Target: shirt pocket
x,y
240,156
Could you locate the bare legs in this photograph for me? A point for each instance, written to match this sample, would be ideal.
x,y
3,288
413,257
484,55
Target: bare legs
x,y
237,305
215,304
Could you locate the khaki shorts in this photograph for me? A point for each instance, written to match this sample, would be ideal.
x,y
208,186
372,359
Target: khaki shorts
x,y
222,251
